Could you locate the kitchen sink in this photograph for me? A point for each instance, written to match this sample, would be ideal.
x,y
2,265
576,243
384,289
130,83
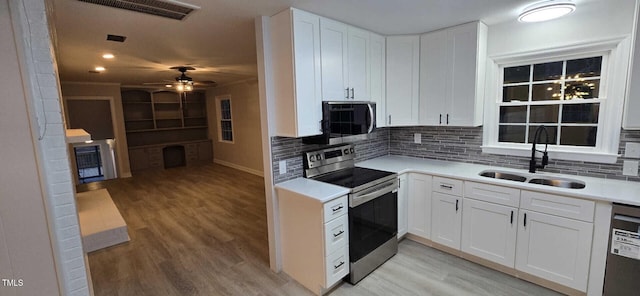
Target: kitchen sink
x,y
503,176
534,179
564,183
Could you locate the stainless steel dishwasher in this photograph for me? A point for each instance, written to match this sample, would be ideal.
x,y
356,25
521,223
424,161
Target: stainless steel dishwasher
x,y
622,275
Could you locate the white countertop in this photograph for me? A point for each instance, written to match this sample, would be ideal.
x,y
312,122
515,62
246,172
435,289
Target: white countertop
x,y
625,192
320,191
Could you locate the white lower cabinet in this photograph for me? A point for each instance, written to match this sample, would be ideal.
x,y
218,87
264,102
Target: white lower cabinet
x,y
554,248
446,219
543,236
420,205
403,205
489,231
315,240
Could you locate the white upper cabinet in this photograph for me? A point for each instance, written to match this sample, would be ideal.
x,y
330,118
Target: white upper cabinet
x,y
359,66
403,57
377,45
295,55
632,105
334,54
345,62
452,70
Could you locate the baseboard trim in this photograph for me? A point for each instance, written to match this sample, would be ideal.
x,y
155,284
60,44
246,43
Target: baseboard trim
x,y
239,167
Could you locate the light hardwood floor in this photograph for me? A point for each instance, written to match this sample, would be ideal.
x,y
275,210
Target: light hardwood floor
x,y
203,231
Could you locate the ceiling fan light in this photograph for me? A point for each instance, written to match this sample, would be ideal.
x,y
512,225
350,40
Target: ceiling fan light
x,y
180,87
546,10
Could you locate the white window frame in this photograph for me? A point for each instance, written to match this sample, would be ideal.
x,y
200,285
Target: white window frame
x,y
219,100
615,65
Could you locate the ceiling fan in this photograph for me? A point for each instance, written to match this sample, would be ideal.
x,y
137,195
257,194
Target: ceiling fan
x,y
184,82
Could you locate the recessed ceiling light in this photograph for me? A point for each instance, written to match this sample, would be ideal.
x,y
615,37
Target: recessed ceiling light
x,y
546,10
108,56
100,69
168,85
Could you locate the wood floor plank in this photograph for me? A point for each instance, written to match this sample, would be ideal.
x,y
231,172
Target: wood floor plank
x,y
203,231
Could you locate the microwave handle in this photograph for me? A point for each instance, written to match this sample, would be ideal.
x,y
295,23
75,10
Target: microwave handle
x,y
372,116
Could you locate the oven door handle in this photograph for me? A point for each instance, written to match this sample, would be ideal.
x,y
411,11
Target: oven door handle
x,y
369,194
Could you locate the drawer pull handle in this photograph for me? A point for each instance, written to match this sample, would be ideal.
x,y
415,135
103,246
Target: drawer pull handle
x,y
338,234
340,207
339,265
446,186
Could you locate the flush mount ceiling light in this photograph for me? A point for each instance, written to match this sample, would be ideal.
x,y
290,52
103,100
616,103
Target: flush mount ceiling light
x,y
546,10
100,69
108,56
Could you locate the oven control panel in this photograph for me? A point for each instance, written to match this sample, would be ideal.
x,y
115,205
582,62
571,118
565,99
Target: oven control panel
x,y
329,155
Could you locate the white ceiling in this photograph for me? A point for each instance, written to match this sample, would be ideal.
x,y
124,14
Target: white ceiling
x,y
219,39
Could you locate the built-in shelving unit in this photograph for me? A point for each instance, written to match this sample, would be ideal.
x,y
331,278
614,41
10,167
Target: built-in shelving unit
x,y
157,117
155,120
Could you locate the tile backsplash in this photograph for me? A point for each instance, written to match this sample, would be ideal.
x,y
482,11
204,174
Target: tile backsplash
x,y
461,144
290,150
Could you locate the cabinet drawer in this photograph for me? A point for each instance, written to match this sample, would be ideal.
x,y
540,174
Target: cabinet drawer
x,y
155,164
154,151
563,206
335,208
492,193
448,186
337,265
336,234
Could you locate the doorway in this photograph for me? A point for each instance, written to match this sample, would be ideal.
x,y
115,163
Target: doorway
x,y
89,164
95,161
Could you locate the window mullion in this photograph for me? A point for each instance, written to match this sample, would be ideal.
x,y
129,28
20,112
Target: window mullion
x,y
530,99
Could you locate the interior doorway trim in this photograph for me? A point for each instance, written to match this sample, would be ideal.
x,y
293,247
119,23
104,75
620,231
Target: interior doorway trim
x,y
112,107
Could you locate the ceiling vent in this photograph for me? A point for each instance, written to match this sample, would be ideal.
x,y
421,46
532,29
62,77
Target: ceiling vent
x,y
165,8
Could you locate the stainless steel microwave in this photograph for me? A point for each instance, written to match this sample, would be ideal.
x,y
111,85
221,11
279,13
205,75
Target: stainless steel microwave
x,y
345,121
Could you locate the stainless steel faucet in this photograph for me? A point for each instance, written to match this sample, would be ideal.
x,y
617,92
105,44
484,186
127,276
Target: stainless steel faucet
x,y
545,158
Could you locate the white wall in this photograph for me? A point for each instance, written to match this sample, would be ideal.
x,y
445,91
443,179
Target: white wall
x,y
245,152
592,20
37,205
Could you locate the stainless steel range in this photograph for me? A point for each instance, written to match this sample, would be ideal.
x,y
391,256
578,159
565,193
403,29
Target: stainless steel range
x,y
373,206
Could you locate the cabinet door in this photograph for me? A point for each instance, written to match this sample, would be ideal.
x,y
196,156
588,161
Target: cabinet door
x,y
632,102
138,159
334,55
377,51
489,231
446,219
403,205
420,205
403,58
435,81
359,66
466,89
554,248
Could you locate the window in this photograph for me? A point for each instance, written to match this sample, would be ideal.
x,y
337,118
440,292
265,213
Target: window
x,y
225,122
564,96
576,92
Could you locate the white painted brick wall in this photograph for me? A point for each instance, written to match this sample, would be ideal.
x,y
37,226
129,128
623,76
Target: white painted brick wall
x,y
55,166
